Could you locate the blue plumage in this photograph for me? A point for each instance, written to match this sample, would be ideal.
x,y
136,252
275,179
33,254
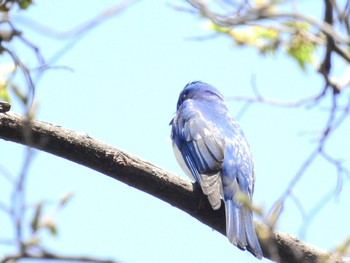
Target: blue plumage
x,y
211,149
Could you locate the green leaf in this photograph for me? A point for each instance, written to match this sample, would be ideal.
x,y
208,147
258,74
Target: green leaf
x,y
35,223
4,92
245,200
49,224
5,82
342,248
32,241
65,199
53,229
241,37
302,50
6,5
263,32
275,214
299,46
299,25
219,29
19,93
267,39
24,4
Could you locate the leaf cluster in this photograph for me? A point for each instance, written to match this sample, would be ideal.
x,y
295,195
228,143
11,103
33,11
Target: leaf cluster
x,y
7,5
292,38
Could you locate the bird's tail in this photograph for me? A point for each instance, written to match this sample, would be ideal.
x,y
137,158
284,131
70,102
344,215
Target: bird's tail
x,y
240,228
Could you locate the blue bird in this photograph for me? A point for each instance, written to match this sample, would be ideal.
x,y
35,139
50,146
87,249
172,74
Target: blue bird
x,y
212,150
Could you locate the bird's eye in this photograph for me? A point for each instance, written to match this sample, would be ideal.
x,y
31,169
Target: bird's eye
x,y
184,97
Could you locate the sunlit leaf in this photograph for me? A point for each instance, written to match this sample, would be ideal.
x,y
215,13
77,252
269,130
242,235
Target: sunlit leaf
x,y
266,32
33,241
4,93
245,200
344,247
5,83
65,199
243,37
53,230
3,7
24,4
220,29
35,223
267,39
267,5
299,25
275,214
33,110
50,224
302,50
19,94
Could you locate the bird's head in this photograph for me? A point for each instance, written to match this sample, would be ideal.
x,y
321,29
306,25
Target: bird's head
x,y
198,90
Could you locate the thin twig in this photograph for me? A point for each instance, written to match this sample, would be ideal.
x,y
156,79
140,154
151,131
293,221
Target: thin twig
x,y
79,29
307,220
331,125
27,75
6,242
18,198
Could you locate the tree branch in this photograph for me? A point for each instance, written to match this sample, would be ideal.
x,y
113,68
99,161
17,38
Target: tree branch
x,y
84,150
51,256
264,14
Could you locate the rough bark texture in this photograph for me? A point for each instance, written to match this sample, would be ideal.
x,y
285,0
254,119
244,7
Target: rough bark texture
x,y
81,148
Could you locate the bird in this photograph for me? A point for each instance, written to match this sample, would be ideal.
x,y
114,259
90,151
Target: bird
x,y
212,150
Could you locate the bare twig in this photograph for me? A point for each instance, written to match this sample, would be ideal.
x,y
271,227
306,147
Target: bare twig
x,y
7,175
79,29
310,216
18,204
259,98
27,75
76,33
4,208
332,123
181,8
18,199
328,34
6,242
273,102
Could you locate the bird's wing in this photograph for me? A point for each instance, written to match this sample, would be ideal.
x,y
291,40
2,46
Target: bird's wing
x,y
201,145
237,177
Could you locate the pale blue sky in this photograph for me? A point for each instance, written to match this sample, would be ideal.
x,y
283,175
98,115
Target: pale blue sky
x,y
125,79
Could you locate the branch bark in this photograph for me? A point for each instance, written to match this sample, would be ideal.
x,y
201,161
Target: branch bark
x,y
46,256
82,149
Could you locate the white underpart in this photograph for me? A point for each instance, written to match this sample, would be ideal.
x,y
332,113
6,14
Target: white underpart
x,y
181,162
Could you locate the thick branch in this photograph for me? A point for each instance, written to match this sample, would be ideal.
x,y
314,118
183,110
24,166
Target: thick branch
x,y
83,149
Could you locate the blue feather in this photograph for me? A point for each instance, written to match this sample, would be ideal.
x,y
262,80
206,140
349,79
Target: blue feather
x,y
212,149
